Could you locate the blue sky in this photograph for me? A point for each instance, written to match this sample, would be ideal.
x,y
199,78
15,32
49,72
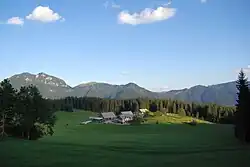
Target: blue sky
x,y
168,47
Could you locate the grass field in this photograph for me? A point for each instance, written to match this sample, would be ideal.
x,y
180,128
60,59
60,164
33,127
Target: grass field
x,y
173,145
172,119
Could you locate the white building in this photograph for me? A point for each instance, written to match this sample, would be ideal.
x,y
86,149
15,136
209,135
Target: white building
x,y
126,116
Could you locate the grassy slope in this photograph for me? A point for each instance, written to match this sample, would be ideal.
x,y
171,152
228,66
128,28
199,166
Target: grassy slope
x,y
128,146
172,118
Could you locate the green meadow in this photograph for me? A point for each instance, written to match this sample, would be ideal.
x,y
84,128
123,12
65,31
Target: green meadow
x,y
97,145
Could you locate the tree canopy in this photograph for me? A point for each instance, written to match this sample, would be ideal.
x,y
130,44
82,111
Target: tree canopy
x,y
24,113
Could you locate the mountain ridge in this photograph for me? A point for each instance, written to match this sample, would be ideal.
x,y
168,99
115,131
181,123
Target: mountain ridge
x,y
54,87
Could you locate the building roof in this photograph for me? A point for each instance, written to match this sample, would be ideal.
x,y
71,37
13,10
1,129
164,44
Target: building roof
x,y
127,113
143,110
96,118
108,115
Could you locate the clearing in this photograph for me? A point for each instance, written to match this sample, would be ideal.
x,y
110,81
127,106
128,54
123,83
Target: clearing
x,y
174,145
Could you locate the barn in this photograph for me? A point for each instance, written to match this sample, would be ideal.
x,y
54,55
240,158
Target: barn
x,y
108,116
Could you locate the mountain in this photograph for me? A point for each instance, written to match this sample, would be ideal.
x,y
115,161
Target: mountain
x,y
105,90
224,94
53,87
49,86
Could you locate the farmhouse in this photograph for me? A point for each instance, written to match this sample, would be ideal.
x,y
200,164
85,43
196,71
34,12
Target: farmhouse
x,y
108,115
126,116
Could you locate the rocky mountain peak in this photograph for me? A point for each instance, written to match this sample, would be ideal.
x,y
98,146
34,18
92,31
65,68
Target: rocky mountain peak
x,y
42,74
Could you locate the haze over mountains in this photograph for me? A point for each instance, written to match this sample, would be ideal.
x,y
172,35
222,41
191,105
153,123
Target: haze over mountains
x,y
53,87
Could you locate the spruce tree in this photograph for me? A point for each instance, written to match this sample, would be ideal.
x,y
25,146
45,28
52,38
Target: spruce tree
x,y
242,107
7,104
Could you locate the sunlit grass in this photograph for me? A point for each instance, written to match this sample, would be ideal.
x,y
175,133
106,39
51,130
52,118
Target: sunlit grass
x,y
168,118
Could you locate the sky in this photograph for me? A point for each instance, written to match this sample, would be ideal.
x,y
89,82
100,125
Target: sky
x,y
159,45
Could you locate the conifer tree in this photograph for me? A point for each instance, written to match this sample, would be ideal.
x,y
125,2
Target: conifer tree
x,y
7,104
242,108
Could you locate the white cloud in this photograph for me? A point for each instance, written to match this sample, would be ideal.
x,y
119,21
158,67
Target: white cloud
x,y
146,16
44,14
15,21
203,1
112,5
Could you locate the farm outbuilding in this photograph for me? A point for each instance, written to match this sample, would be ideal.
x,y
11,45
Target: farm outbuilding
x,y
108,115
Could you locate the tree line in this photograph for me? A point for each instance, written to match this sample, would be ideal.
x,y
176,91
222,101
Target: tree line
x,y
209,112
24,113
242,115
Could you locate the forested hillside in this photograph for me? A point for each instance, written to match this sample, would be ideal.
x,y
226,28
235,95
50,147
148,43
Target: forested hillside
x,y
208,112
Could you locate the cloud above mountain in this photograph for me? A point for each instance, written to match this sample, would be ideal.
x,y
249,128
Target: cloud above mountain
x,y
15,21
40,13
44,14
146,16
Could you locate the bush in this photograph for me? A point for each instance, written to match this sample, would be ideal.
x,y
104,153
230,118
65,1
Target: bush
x,y
182,112
137,120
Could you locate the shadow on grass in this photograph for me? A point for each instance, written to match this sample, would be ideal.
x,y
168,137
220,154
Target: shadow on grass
x,y
137,146
143,150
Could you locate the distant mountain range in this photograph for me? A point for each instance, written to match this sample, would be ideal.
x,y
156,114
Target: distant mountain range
x,y
53,87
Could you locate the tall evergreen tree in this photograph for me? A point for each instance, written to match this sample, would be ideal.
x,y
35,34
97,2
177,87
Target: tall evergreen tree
x,y
174,110
7,104
135,107
242,116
